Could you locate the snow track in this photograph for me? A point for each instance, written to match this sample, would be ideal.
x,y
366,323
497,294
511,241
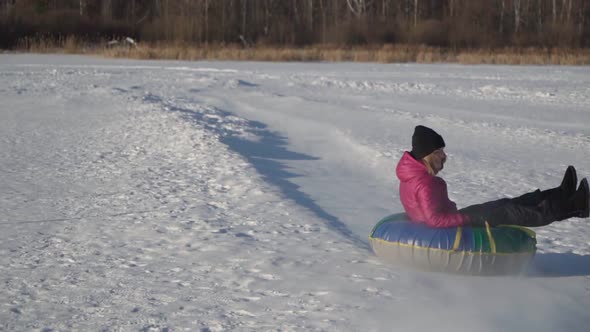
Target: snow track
x,y
162,196
145,216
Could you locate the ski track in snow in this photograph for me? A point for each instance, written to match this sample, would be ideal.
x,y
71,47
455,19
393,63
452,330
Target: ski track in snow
x,y
156,196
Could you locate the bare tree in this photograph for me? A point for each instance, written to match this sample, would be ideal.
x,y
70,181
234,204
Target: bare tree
x,y
415,13
310,15
582,18
502,8
358,7
106,9
244,15
539,16
516,5
82,7
206,10
326,21
324,12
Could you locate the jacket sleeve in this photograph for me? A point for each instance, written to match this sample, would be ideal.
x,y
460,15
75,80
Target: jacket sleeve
x,y
438,209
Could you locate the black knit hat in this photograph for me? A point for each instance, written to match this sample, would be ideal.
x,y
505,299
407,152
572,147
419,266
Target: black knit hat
x,y
425,141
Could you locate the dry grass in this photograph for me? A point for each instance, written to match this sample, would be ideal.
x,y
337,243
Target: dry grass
x,y
531,56
382,54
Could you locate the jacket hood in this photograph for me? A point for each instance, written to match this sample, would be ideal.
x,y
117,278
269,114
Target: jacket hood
x,y
409,168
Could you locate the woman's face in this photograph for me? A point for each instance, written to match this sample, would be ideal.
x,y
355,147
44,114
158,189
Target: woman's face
x,y
438,159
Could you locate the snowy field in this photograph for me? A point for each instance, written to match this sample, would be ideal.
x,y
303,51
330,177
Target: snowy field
x,y
218,196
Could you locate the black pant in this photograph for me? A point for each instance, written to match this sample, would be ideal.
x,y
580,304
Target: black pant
x,y
534,209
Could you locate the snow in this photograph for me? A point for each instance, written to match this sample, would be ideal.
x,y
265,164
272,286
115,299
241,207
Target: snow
x,y
213,196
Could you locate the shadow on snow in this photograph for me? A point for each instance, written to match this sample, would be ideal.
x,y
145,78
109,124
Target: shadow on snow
x,y
268,155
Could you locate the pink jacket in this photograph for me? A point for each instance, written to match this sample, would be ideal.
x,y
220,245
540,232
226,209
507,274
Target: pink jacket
x,y
425,197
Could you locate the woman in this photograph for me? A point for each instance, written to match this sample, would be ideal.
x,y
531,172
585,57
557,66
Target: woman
x,y
425,199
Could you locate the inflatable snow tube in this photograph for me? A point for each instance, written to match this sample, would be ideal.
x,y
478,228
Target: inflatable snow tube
x,y
463,250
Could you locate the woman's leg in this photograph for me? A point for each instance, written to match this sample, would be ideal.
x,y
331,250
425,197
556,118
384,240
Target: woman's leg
x,y
529,199
537,208
533,209
522,215
555,205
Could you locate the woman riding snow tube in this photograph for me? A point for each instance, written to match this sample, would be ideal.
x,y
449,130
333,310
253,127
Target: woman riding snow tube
x,y
463,250
486,238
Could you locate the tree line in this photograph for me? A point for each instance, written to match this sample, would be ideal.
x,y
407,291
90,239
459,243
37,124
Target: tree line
x,y
444,23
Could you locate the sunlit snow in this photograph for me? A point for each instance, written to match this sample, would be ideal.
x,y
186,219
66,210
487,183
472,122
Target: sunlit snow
x,y
213,196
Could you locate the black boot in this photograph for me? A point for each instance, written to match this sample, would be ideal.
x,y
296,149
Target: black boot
x,y
565,190
581,199
569,182
575,206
